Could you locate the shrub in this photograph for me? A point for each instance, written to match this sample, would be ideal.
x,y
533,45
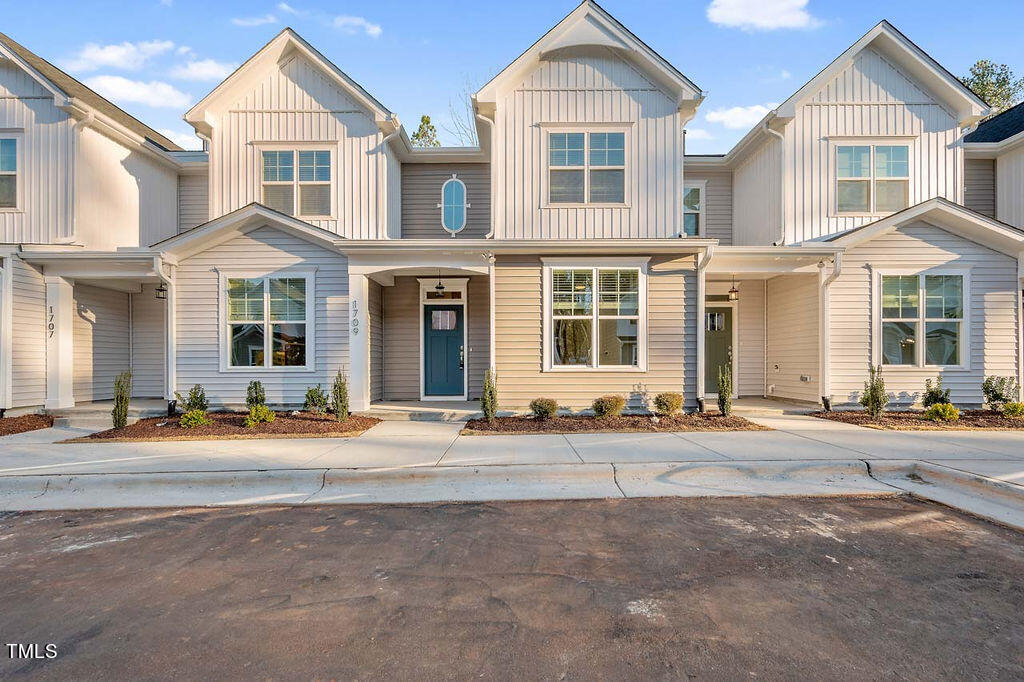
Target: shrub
x,y
255,396
194,418
874,398
196,400
316,400
1013,410
339,397
942,412
545,408
668,403
122,395
259,414
999,391
725,390
608,406
935,395
489,398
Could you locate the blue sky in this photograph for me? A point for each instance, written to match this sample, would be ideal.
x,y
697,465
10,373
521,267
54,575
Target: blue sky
x,y
160,56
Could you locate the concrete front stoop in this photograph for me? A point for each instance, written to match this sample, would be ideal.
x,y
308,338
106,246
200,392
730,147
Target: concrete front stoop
x,y
95,416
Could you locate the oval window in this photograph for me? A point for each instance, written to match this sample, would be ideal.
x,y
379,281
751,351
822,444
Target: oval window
x,y
453,205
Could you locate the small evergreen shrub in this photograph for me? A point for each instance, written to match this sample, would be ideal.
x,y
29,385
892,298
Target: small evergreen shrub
x,y
316,400
608,406
874,398
999,391
122,395
194,419
1013,410
667,404
544,408
339,397
942,412
935,395
255,396
259,414
196,400
725,390
489,397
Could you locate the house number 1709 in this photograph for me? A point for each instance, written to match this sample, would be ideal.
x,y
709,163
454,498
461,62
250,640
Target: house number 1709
x,y
355,318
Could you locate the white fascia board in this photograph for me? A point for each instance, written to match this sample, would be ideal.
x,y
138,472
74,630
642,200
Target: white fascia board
x,y
990,150
60,97
527,246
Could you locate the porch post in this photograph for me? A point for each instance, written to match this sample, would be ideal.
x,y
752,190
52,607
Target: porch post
x,y
359,342
825,329
171,331
6,331
60,311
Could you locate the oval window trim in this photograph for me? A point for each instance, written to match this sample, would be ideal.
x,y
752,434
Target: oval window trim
x,y
453,208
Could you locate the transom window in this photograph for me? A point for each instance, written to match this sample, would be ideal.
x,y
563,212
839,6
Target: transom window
x,y
8,173
922,320
693,210
595,317
309,189
267,320
872,178
586,168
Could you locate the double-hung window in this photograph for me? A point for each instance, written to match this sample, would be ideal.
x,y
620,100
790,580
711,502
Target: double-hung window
x,y
297,180
922,320
596,317
693,210
872,179
8,172
586,168
268,321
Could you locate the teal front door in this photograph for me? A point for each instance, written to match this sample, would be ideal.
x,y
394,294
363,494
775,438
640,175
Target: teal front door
x,y
444,352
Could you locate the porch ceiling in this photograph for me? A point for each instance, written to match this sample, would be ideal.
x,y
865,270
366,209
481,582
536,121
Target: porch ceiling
x,y
766,262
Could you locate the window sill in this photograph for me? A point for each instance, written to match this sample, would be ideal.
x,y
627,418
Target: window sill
x,y
928,368
11,209
549,205
595,370
844,214
274,370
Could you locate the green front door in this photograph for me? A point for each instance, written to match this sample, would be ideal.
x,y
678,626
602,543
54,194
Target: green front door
x,y
717,345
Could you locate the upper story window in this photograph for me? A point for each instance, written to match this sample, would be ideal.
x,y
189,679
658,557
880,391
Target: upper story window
x,y
308,190
693,209
586,168
268,321
922,320
8,173
453,204
872,179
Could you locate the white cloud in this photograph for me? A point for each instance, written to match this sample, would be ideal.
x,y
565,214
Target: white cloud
x,y
737,118
202,70
785,75
698,134
152,94
350,24
761,15
185,140
126,55
254,21
288,9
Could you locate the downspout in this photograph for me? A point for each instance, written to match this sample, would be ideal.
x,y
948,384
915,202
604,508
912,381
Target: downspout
x,y
782,183
490,125
825,331
382,170
76,147
702,265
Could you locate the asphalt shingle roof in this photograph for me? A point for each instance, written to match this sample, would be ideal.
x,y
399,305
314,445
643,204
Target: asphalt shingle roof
x,y
998,128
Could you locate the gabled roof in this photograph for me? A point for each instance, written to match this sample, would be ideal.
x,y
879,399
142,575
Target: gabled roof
x,y
589,25
942,213
1000,127
280,47
56,81
238,222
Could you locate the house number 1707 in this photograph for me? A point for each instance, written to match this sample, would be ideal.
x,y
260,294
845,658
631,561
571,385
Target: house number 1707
x,y
50,326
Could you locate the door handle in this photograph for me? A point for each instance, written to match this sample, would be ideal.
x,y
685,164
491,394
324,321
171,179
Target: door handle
x,y
462,357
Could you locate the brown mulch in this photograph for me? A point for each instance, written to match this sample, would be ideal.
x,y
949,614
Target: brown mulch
x,y
912,420
588,424
230,426
26,422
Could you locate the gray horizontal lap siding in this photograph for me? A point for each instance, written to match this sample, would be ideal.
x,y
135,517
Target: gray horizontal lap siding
x,y
102,341
717,202
261,252
28,335
421,192
148,344
980,186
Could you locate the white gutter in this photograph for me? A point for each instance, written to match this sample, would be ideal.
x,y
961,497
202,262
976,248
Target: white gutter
x,y
825,328
782,180
490,143
702,265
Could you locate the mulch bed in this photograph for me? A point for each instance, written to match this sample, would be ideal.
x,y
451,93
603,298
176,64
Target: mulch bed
x,y
912,420
588,424
26,422
230,426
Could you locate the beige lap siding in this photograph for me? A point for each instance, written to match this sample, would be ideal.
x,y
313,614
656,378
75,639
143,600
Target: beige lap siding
x,y
751,337
262,252
28,335
102,340
148,343
671,339
793,346
376,332
992,345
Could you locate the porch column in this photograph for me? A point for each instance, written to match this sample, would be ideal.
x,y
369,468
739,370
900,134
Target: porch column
x,y
60,315
359,342
825,328
171,332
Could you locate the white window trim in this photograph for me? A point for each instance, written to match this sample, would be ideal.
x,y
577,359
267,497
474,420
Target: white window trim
x,y
835,142
919,350
19,173
465,204
586,129
460,284
549,264
702,185
295,148
224,339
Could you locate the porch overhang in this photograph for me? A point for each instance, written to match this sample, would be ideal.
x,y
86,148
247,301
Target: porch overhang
x,y
120,270
762,262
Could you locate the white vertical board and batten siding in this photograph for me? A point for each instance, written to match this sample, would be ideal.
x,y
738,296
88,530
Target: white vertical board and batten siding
x,y
28,335
992,344
297,103
261,252
587,86
757,196
1010,187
